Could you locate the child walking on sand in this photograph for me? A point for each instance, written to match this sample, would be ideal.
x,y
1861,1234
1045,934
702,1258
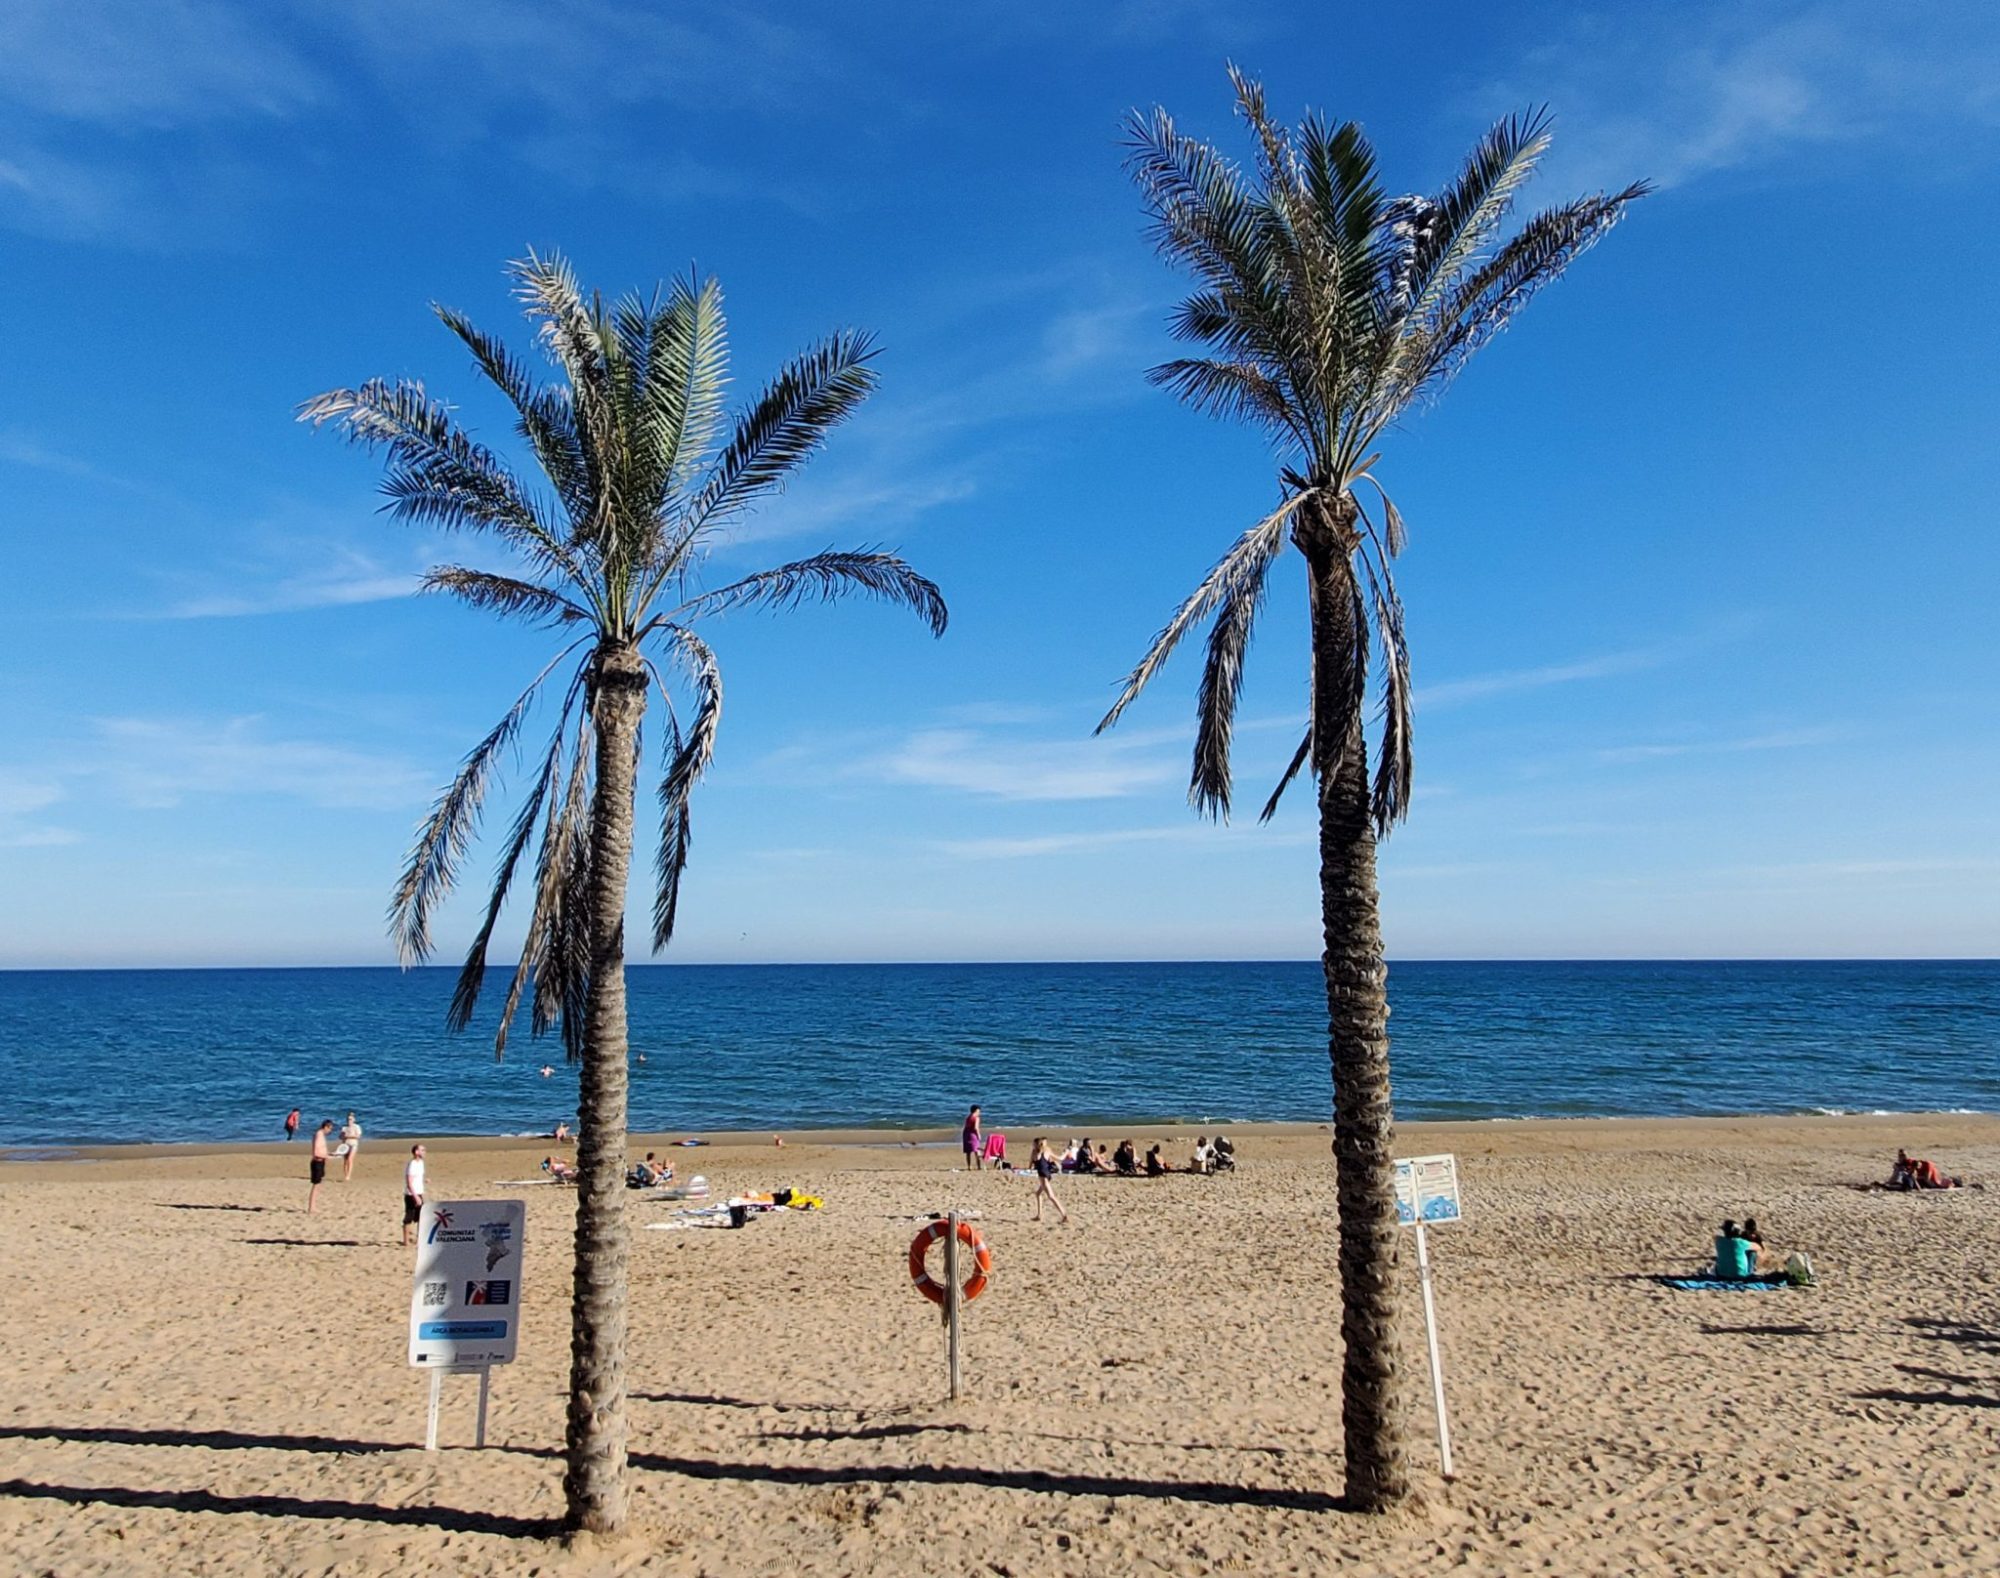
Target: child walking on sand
x,y
1045,1165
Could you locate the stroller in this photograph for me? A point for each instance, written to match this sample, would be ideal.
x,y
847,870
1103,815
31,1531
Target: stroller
x,y
1222,1155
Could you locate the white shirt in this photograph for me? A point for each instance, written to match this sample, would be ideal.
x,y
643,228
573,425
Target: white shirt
x,y
351,1131
413,1178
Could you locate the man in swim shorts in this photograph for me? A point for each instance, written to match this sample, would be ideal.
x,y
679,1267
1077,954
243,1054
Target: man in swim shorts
x,y
413,1191
321,1154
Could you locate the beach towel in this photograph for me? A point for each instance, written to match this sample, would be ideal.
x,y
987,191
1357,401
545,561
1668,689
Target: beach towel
x,y
1721,1284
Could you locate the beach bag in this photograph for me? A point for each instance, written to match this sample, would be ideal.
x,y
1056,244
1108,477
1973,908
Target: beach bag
x,y
1798,1270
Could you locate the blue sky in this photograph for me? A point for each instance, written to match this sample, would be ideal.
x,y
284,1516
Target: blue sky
x,y
1702,559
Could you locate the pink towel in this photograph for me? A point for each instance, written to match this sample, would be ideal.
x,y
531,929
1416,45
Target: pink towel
x,y
996,1147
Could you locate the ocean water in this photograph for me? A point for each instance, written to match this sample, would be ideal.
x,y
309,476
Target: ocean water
x,y
105,1056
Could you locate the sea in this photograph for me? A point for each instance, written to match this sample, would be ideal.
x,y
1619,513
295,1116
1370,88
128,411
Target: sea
x,y
108,1056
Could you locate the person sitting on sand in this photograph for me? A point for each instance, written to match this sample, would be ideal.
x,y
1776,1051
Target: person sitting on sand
x,y
1735,1255
1067,1161
1086,1158
558,1169
1155,1166
1126,1159
1202,1155
1763,1260
560,1133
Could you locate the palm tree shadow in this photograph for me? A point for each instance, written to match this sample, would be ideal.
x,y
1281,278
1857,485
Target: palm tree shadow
x,y
189,1205
1982,1339
1038,1481
452,1520
223,1440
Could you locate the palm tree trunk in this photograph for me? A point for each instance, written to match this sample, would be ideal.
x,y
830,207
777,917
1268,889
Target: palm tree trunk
x,y
1373,1406
594,1483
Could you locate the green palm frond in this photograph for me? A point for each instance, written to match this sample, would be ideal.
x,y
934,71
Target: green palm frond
x,y
503,594
787,424
824,576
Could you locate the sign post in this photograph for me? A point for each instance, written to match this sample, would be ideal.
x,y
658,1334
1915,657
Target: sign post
x,y
1427,1192
465,1299
951,1299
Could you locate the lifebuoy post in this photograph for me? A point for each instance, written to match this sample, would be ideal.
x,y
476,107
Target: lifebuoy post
x,y
951,1299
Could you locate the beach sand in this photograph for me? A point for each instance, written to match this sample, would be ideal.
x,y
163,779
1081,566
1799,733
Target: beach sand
x,y
197,1377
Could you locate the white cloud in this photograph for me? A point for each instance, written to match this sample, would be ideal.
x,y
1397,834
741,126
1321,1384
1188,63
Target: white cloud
x,y
1778,740
1672,94
157,763
1082,768
1194,832
21,798
1477,687
338,586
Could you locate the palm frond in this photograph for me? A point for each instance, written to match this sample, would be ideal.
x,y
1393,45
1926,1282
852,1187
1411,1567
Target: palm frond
x,y
681,395
431,870
824,576
1221,686
789,421
1389,799
465,995
1229,389
438,475
1299,759
1245,559
502,594
565,840
688,760
543,416
1486,301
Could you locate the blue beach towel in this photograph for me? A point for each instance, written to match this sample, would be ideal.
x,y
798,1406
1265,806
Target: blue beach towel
x,y
1721,1284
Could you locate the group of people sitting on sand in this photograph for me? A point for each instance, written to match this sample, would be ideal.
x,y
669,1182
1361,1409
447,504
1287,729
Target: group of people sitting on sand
x,y
1741,1255
1124,1162
1916,1173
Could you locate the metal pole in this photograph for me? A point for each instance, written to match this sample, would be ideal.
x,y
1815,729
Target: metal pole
x,y
951,1297
1431,1334
485,1380
431,1430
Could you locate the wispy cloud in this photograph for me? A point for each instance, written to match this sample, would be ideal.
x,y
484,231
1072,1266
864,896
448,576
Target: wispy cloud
x,y
1193,833
157,763
1477,687
1777,740
1676,94
1026,769
869,501
20,449
355,578
22,798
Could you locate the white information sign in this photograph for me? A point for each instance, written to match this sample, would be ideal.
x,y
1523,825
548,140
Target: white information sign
x,y
1427,1190
465,1304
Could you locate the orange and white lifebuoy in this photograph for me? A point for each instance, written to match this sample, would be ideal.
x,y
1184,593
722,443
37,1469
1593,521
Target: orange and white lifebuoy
x,y
968,1235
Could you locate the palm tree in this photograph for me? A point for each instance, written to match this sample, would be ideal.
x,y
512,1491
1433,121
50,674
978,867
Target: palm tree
x,y
633,491
1326,311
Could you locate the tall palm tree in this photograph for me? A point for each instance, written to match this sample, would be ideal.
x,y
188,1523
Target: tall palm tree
x,y
1326,312
635,487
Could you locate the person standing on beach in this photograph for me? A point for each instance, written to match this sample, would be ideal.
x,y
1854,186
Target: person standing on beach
x,y
321,1153
350,1146
413,1191
969,1139
1045,1164
291,1123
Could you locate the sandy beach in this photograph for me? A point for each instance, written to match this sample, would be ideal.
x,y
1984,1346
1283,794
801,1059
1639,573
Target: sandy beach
x,y
201,1378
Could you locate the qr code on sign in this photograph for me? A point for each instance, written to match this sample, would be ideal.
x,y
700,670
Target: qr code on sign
x,y
436,1294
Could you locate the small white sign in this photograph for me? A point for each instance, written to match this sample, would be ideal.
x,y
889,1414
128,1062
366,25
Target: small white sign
x,y
1427,1190
465,1304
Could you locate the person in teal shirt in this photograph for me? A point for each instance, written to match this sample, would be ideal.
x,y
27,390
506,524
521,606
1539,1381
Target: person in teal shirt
x,y
1735,1255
